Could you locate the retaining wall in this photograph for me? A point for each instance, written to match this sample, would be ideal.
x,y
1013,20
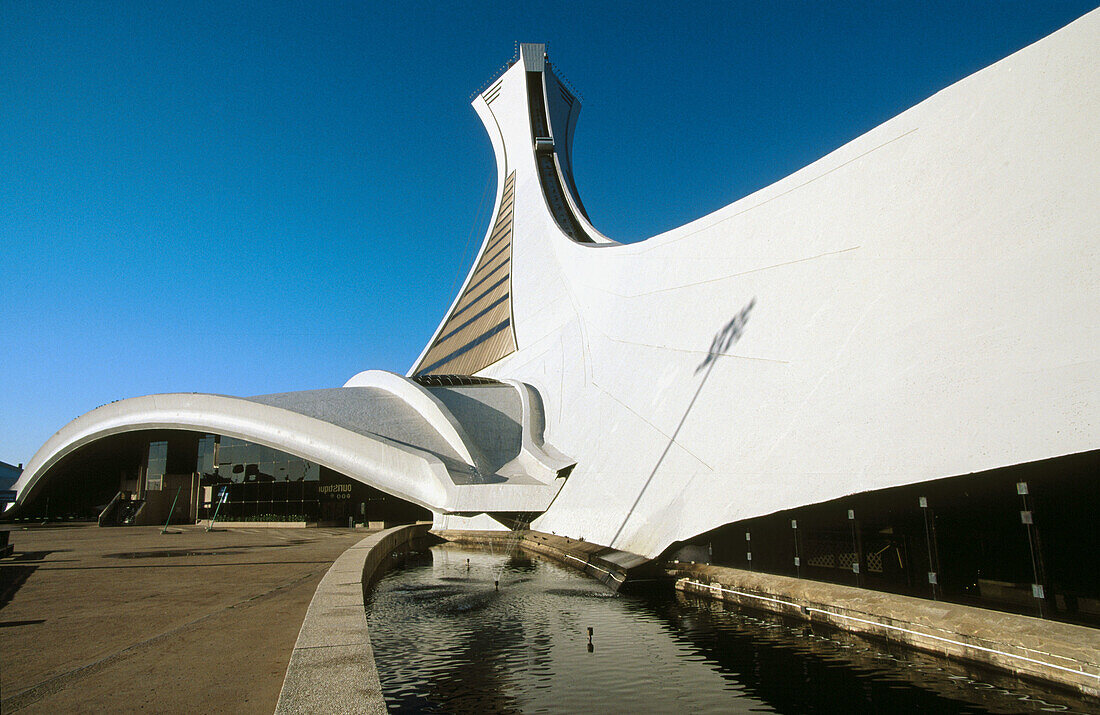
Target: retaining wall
x,y
602,563
1059,653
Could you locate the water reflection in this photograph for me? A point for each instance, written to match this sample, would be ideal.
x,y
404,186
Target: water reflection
x,y
446,640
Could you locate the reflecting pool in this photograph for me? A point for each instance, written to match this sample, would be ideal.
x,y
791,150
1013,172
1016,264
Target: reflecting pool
x,y
448,640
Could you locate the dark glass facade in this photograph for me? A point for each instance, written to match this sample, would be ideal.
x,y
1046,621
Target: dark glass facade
x,y
255,482
244,481
1020,538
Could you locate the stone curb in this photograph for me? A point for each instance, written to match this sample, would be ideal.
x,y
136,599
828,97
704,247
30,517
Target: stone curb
x,y
332,666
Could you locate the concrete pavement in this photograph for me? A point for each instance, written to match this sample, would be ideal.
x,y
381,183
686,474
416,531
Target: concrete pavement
x,y
129,619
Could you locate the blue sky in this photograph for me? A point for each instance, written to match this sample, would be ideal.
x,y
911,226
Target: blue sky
x,y
244,198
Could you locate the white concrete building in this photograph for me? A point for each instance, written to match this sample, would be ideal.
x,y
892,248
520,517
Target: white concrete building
x,y
921,303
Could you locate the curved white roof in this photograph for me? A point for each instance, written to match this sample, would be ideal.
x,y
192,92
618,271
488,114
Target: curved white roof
x,y
402,440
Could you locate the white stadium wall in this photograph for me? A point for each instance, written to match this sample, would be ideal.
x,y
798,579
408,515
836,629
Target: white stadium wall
x,y
921,303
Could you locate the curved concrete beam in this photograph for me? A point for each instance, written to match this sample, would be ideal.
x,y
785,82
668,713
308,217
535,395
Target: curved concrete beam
x,y
412,474
536,456
403,471
597,238
427,406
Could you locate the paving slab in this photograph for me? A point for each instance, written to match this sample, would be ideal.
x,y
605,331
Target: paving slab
x,y
131,619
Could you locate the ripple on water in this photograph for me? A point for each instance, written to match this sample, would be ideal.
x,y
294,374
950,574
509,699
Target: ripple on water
x,y
446,640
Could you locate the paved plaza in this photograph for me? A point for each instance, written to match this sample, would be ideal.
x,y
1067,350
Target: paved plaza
x,y
96,619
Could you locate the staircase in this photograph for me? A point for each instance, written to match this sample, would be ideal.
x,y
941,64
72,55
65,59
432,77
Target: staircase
x,y
121,510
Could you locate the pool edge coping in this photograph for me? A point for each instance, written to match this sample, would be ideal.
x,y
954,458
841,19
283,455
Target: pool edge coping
x,y
332,667
1057,654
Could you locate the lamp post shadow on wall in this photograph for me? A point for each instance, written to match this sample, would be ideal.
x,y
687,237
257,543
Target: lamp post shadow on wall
x,y
724,339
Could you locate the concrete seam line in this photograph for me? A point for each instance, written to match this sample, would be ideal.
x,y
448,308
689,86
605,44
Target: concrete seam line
x,y
784,193
592,565
899,628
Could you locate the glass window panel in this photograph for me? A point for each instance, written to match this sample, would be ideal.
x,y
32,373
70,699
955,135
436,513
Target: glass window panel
x,y
227,454
204,463
158,450
242,453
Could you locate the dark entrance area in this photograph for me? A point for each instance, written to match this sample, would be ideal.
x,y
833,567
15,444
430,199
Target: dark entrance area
x,y
83,483
177,476
1020,539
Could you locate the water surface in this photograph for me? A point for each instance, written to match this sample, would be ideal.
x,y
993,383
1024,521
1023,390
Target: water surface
x,y
447,640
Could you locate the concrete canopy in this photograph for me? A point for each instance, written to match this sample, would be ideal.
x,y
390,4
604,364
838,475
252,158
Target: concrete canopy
x,y
383,430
